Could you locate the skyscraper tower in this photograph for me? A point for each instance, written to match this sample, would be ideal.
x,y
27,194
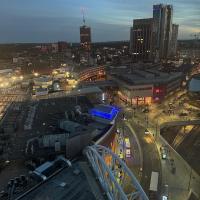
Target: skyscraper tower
x,y
85,35
131,40
142,39
162,28
173,45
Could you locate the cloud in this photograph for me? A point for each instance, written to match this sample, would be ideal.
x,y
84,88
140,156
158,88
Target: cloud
x,y
52,20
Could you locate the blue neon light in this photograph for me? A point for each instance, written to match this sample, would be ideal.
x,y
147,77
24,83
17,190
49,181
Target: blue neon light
x,y
98,113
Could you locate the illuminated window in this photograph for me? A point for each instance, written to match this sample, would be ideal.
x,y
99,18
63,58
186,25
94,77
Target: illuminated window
x,y
157,90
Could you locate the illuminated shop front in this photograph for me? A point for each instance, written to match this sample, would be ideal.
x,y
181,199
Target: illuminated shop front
x,y
142,87
134,99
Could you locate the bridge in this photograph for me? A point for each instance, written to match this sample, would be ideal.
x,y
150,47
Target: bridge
x,y
92,73
115,177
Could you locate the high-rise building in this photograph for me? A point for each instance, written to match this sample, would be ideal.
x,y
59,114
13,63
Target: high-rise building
x,y
85,37
173,45
131,39
162,17
142,38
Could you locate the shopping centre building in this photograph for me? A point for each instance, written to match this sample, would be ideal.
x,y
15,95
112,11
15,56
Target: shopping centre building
x,y
138,87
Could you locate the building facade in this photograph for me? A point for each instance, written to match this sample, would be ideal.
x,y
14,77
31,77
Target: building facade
x,y
85,37
162,17
173,45
142,39
131,39
141,87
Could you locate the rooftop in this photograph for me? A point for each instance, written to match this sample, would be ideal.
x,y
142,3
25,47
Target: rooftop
x,y
137,77
72,183
86,90
50,111
104,113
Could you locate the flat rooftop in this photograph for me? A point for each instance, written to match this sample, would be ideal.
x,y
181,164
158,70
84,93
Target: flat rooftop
x,y
50,111
137,77
72,183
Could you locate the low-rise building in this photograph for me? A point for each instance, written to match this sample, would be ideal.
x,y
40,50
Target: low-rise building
x,y
145,87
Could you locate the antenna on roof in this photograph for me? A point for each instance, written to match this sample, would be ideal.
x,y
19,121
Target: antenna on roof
x,y
83,13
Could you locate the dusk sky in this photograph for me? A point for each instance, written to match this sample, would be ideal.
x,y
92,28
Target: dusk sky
x,y
110,20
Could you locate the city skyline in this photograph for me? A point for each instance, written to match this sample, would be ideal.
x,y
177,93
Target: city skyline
x,y
34,21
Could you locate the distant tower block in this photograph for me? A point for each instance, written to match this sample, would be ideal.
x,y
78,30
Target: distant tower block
x,y
85,34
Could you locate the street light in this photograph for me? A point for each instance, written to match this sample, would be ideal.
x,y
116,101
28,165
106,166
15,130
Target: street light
x,y
36,74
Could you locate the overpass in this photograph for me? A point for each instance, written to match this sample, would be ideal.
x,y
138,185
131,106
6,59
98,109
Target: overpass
x,y
92,73
180,123
103,84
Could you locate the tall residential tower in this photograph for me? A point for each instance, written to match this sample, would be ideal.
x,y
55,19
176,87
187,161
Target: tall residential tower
x,y
142,39
162,28
85,35
173,45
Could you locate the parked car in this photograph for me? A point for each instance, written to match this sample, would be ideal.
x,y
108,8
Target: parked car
x,y
165,193
183,114
164,152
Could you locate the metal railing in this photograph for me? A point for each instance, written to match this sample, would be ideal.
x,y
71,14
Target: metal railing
x,y
116,179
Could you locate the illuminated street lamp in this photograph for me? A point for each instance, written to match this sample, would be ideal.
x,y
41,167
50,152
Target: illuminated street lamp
x,y
54,72
36,74
13,78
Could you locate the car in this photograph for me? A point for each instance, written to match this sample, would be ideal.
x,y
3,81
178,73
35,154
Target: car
x,y
170,105
128,153
146,132
163,151
183,114
121,155
165,192
145,110
127,142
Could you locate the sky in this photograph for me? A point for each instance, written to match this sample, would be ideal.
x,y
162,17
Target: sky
x,y
110,20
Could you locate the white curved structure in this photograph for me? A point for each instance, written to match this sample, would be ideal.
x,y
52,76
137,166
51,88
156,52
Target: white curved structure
x,y
114,175
194,84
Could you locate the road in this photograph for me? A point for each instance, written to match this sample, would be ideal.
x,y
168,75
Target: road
x,y
144,153
151,158
179,182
